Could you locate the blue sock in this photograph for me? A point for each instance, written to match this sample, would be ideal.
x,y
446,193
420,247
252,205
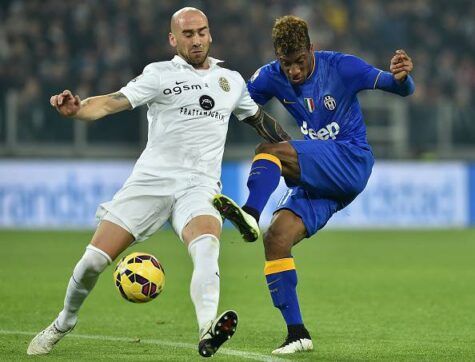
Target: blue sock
x,y
282,282
264,178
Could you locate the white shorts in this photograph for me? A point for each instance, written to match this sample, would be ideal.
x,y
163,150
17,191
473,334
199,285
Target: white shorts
x,y
143,214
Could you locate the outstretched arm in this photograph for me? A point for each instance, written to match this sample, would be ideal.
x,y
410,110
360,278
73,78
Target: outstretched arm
x,y
267,127
398,81
401,65
91,108
360,75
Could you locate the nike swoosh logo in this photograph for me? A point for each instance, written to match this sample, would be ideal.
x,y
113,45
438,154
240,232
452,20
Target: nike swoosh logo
x,y
178,83
288,102
273,282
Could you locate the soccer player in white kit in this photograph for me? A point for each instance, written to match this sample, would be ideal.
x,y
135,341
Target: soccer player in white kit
x,y
190,100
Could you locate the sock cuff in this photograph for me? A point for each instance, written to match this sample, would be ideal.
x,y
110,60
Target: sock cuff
x,y
268,157
279,265
99,251
203,237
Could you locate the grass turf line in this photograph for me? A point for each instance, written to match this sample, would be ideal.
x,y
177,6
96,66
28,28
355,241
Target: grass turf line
x,y
365,295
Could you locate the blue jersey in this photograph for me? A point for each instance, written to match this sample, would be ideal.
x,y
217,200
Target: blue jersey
x,y
335,159
325,106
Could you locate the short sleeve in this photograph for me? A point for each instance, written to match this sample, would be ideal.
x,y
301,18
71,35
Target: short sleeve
x,y
143,88
258,85
245,106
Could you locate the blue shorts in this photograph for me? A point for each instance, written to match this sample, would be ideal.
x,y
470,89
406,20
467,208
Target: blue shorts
x,y
332,174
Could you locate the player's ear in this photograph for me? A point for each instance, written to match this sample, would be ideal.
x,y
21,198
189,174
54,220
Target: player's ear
x,y
210,39
312,48
172,39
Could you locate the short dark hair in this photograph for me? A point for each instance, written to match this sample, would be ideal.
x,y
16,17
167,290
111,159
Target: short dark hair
x,y
290,34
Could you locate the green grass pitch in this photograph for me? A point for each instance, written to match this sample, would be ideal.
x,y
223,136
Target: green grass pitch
x,y
365,295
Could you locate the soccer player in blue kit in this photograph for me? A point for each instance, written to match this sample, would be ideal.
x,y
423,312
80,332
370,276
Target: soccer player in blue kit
x,y
325,171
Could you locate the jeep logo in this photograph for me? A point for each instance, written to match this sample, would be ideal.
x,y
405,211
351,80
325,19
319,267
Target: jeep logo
x,y
329,131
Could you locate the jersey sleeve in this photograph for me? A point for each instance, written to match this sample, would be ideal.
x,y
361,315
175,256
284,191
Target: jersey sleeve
x,y
385,81
258,87
356,73
143,88
360,75
245,106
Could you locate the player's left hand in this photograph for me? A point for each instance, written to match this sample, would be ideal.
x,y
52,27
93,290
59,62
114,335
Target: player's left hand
x,y
401,65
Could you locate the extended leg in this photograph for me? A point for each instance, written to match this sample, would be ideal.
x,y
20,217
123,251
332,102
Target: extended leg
x,y
285,231
271,161
201,235
107,243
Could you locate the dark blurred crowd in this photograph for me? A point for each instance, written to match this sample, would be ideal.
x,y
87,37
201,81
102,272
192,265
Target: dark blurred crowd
x,y
95,47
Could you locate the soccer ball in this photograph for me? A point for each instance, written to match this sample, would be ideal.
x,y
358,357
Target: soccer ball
x,y
139,277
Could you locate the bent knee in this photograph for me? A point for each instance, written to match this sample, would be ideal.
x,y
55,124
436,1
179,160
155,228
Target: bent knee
x,y
93,262
266,148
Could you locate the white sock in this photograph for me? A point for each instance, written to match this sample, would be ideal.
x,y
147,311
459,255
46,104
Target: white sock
x,y
204,288
84,277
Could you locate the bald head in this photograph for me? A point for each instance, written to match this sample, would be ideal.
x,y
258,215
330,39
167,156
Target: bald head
x,y
184,15
189,34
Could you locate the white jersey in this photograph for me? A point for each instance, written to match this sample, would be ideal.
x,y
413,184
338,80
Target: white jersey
x,y
188,115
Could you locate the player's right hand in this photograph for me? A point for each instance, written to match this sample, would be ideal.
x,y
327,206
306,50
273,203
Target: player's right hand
x,y
401,65
65,103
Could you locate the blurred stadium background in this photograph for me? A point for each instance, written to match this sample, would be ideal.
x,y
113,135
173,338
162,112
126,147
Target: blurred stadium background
x,y
95,47
392,294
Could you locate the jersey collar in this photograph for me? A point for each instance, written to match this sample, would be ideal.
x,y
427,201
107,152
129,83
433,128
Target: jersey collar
x,y
314,66
212,62
313,72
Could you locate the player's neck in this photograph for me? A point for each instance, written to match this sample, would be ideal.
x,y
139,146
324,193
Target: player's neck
x,y
313,66
203,66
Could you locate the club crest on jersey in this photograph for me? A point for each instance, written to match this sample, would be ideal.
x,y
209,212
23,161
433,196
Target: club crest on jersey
x,y
310,104
329,102
224,84
206,102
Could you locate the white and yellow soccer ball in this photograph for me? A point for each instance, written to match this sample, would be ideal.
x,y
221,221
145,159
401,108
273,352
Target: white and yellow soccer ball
x,y
139,277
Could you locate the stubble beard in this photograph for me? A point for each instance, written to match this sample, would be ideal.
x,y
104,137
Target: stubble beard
x,y
196,62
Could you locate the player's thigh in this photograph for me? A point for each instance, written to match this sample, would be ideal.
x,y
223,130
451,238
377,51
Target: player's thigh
x,y
287,155
333,170
193,213
137,210
111,238
286,230
314,212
